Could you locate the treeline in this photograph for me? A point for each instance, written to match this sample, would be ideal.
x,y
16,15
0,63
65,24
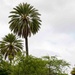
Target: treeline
x,y
14,61
22,65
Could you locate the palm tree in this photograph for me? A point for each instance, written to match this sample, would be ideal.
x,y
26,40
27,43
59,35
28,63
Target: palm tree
x,y
10,45
24,21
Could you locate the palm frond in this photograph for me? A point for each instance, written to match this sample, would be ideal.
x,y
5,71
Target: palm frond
x,y
25,20
10,45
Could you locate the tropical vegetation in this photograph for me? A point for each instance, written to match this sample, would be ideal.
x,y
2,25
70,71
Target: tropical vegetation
x,y
10,45
31,65
25,21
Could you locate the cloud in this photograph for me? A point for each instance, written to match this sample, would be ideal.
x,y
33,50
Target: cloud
x,y
4,30
59,14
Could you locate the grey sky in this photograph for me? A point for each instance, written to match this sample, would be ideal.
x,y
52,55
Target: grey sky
x,y
57,33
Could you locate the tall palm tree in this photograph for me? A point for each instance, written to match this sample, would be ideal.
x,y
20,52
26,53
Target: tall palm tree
x,y
24,21
10,45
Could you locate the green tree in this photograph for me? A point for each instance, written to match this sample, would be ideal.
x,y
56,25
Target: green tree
x,y
39,66
29,66
5,68
10,45
3,72
25,21
56,66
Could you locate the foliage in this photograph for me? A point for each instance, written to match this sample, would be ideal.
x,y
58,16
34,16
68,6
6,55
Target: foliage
x,y
31,65
22,65
39,66
3,72
55,65
24,21
10,45
5,68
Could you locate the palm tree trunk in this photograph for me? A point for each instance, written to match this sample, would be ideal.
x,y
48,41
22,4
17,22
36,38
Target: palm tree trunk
x,y
26,45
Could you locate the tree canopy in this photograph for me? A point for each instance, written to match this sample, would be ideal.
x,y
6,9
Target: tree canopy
x,y
24,21
10,45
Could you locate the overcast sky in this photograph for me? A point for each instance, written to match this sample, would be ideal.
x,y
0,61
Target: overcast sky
x,y
57,33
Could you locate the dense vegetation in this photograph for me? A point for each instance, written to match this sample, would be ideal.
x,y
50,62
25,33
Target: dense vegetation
x,y
31,65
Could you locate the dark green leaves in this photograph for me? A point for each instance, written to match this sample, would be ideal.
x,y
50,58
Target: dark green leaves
x,y
24,20
10,45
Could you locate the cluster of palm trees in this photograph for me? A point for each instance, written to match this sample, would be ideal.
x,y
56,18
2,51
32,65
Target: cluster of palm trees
x,y
24,21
